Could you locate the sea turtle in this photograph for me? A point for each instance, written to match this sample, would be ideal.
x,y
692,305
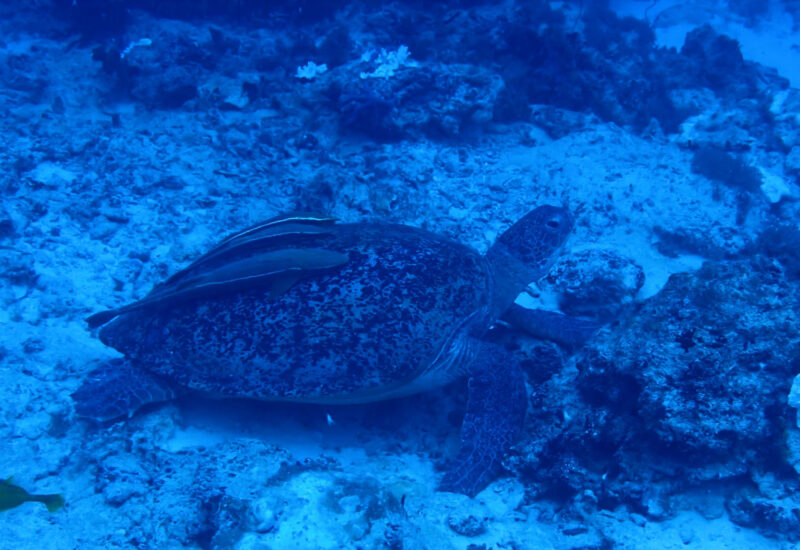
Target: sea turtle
x,y
300,308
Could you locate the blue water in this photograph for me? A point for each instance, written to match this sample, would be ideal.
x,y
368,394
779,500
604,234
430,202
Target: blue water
x,y
655,357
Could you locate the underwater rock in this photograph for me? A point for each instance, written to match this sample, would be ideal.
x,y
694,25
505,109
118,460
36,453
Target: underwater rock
x,y
785,109
559,122
718,243
166,90
262,515
793,161
539,359
707,361
7,229
712,353
466,524
234,96
776,189
609,68
793,448
740,127
772,517
781,242
431,100
120,479
692,388
225,520
719,166
595,283
163,73
17,268
717,62
794,396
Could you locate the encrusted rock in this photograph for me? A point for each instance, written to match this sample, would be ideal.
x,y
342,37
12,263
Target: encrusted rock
x,y
773,517
596,282
466,525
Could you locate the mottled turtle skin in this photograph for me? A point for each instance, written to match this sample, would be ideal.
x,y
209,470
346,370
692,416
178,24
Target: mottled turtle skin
x,y
404,313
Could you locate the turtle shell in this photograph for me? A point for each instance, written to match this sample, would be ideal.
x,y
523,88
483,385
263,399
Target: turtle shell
x,y
372,311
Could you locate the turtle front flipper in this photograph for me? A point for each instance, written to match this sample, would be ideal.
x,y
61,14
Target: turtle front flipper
x,y
571,332
117,389
495,415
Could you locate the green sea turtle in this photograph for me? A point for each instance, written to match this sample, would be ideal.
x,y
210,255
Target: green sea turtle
x,y
300,308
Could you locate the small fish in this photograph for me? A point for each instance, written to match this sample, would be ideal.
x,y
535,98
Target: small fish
x,y
12,496
329,418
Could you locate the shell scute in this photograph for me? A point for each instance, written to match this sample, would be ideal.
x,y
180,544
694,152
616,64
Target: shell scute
x,y
359,332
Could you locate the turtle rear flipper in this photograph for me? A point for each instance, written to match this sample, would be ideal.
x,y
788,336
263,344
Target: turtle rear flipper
x,y
495,415
117,389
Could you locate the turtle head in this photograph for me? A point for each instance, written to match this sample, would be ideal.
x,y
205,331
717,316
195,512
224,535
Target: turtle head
x,y
536,239
527,249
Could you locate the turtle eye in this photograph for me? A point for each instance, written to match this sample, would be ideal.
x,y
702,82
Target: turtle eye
x,y
553,223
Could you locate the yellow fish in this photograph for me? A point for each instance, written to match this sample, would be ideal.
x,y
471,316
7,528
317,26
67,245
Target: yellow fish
x,y
12,496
